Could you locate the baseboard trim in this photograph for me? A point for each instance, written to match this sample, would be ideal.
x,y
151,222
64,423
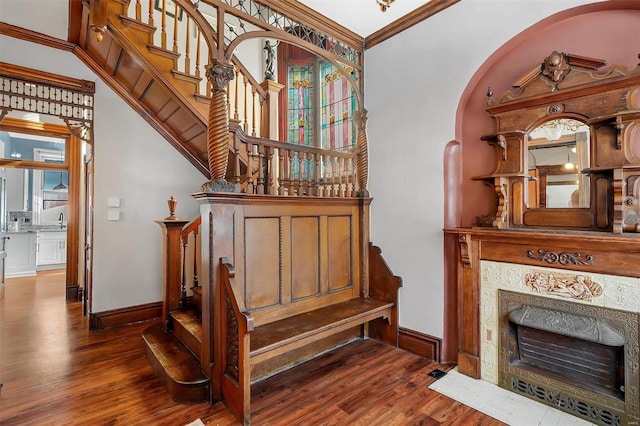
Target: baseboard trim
x,y
123,316
422,344
73,293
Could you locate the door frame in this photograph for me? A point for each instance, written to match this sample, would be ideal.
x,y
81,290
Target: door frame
x,y
72,164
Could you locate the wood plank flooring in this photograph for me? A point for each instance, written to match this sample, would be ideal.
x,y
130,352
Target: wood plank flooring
x,y
55,372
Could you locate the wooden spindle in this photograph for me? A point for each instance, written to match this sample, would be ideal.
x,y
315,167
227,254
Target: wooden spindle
x,y
183,278
195,257
253,111
138,11
249,174
175,28
310,177
235,103
281,170
271,177
246,103
292,191
236,171
198,43
163,28
187,47
151,24
261,166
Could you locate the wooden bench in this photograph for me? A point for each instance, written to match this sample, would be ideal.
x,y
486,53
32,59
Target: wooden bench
x,y
306,281
249,344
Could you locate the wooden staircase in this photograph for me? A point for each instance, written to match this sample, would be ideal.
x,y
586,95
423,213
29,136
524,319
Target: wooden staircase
x,y
174,356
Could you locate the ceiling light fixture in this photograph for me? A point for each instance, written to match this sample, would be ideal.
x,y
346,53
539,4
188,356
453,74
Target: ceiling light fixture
x,y
384,4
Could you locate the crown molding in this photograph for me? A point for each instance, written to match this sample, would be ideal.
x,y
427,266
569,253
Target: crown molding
x,y
407,21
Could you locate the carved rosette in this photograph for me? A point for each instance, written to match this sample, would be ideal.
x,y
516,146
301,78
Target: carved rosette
x,y
219,75
362,151
555,66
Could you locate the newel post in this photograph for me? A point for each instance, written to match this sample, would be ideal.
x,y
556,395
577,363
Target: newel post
x,y
270,113
171,261
362,152
219,75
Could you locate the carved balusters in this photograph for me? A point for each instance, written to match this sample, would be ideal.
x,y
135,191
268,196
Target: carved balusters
x,y
138,11
235,102
261,166
281,172
150,8
198,44
271,168
163,32
187,46
249,173
236,168
175,28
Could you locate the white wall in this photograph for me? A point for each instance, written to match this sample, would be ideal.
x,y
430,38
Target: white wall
x,y
413,84
131,162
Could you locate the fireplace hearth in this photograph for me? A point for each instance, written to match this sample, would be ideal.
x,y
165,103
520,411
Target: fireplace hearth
x,y
578,358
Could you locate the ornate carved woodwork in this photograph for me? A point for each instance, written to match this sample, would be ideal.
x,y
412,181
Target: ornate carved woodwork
x,y
597,270
569,86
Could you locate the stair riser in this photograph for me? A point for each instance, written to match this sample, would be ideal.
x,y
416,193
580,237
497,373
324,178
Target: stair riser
x,y
189,340
179,392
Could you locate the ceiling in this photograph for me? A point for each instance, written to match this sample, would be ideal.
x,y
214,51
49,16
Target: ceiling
x,y
363,16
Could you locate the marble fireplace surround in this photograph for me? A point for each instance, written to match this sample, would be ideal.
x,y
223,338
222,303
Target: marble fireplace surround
x,y
617,293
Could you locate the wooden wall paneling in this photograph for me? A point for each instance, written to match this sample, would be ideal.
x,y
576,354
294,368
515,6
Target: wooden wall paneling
x,y
602,201
559,217
341,247
123,316
517,206
324,255
305,257
262,261
129,71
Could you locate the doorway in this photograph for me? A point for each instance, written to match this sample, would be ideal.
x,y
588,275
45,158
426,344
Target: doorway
x,y
43,207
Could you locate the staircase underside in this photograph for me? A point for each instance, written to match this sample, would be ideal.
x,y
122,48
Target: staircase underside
x,y
147,82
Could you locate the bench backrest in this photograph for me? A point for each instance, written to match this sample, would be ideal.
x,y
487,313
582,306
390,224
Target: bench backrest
x,y
293,257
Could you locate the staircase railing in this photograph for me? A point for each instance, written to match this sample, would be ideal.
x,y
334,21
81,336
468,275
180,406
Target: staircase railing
x,y
280,168
190,256
181,36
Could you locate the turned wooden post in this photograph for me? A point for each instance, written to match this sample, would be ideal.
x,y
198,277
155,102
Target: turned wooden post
x,y
171,262
362,152
219,75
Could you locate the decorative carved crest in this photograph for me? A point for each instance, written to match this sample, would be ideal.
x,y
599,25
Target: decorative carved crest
x,y
555,66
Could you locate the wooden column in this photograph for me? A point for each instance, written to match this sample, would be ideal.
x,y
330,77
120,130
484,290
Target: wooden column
x,y
469,307
219,75
171,265
270,111
362,152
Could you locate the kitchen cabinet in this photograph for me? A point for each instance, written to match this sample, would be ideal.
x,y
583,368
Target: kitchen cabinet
x,y
52,247
21,254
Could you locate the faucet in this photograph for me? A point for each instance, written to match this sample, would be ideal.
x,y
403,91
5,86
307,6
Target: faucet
x,y
61,220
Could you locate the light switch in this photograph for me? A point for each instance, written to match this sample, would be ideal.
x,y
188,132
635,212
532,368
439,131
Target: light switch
x,y
113,202
113,215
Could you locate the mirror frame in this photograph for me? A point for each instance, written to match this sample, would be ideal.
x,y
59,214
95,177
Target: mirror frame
x,y
569,86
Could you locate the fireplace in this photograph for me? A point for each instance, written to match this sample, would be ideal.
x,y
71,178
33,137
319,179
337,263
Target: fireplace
x,y
579,358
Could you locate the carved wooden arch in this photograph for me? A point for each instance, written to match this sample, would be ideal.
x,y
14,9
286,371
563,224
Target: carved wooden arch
x,y
301,44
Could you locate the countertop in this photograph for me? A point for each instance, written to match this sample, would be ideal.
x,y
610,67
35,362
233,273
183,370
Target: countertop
x,y
37,229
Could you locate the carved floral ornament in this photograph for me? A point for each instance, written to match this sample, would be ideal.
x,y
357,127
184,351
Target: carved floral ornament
x,y
555,66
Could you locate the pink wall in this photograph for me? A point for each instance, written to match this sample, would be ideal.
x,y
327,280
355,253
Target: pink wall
x,y
608,30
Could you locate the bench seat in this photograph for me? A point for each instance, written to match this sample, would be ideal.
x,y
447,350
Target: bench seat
x,y
273,339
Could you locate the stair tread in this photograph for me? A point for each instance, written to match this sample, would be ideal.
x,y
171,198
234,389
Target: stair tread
x,y
190,321
177,361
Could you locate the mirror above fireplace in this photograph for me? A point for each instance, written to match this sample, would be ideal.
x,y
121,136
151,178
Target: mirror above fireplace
x,y
601,106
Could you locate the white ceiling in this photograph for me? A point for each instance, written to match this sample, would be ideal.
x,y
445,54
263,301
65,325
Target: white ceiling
x,y
362,16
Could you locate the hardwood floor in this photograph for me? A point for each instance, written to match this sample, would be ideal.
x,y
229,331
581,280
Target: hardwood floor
x,y
55,372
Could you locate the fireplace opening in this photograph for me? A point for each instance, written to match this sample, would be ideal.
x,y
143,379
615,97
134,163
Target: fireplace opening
x,y
579,358
580,362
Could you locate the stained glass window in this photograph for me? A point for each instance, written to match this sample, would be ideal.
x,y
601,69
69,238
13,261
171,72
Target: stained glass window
x,y
337,103
301,98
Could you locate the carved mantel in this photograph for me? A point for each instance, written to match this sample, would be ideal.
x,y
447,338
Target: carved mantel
x,y
575,253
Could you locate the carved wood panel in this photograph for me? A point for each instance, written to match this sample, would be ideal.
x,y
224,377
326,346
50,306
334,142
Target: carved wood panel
x,y
263,280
